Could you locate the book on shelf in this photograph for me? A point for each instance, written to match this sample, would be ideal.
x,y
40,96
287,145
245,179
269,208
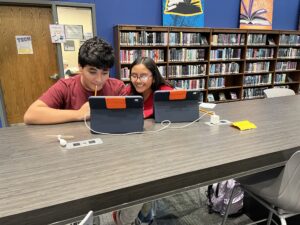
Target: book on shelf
x,y
222,96
210,97
233,95
259,53
194,84
258,79
289,39
224,68
271,41
257,39
250,93
280,78
218,82
203,40
292,53
288,65
228,39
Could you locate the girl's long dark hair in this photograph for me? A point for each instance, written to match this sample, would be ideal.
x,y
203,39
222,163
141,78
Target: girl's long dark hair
x,y
150,65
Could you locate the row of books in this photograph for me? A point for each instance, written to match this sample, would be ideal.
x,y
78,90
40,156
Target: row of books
x,y
288,65
289,39
225,53
128,56
216,82
258,79
125,72
224,68
257,67
186,54
249,93
182,38
189,84
289,53
280,78
228,39
257,39
259,53
187,70
143,38
196,38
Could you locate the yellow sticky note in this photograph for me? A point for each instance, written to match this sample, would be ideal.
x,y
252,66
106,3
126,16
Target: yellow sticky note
x,y
244,125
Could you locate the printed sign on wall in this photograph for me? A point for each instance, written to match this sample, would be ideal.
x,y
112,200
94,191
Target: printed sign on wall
x,y
256,14
24,44
57,32
183,13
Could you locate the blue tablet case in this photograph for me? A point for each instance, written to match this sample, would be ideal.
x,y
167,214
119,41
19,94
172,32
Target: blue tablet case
x,y
176,105
116,114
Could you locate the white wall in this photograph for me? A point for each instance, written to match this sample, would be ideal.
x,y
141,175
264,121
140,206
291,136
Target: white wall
x,y
74,16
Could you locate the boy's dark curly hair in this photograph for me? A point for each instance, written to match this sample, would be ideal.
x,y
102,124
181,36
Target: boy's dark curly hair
x,y
96,52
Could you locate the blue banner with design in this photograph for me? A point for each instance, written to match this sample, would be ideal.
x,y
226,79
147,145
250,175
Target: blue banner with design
x,y
188,13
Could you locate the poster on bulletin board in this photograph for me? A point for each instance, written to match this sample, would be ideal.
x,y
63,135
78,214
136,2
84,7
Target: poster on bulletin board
x,y
256,14
185,13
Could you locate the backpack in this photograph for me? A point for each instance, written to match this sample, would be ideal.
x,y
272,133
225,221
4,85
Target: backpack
x,y
218,195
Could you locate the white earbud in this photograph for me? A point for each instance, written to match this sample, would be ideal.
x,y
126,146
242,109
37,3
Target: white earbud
x,y
62,142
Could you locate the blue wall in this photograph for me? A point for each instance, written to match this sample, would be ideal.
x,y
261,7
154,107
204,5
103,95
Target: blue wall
x,y
218,14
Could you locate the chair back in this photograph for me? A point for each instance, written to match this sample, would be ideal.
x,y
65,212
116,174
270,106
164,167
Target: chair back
x,y
278,92
88,219
289,185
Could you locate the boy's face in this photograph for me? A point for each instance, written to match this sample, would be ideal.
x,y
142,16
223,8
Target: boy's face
x,y
92,77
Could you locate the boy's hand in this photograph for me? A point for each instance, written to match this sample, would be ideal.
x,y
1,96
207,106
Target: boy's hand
x,y
84,111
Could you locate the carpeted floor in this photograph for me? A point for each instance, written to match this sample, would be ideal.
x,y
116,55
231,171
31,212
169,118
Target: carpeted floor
x,y
188,208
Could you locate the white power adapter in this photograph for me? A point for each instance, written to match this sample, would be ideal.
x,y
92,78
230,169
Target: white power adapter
x,y
214,119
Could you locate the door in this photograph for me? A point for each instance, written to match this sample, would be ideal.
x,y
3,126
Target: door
x,y
24,77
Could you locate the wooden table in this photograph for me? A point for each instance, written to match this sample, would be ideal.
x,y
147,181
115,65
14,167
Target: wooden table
x,y
41,183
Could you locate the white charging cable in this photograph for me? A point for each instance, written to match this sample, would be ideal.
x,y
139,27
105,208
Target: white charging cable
x,y
165,124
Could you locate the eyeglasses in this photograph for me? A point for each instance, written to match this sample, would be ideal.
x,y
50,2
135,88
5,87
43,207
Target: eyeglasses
x,y
142,77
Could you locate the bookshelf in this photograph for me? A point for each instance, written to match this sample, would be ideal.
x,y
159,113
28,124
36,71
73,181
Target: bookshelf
x,y
225,64
260,61
287,69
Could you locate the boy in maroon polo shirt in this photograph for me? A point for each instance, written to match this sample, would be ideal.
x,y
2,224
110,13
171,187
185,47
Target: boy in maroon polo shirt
x,y
67,99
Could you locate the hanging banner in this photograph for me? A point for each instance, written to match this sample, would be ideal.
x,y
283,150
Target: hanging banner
x,y
188,13
256,14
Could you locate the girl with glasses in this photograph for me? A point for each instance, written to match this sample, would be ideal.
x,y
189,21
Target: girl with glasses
x,y
145,79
